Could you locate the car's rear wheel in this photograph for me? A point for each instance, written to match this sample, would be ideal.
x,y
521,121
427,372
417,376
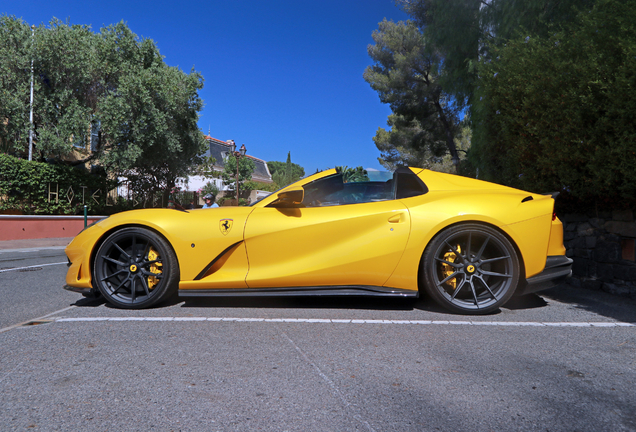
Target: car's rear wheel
x,y
135,268
470,269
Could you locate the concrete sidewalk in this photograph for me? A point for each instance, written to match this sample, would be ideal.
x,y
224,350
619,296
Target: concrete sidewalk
x,y
35,243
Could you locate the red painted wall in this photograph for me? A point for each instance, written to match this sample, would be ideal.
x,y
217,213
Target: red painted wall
x,y
35,227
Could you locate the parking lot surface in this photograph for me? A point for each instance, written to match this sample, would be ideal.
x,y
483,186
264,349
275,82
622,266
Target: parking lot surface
x,y
560,361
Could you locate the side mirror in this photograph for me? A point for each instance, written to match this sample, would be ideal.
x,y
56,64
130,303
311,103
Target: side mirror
x,y
294,196
290,198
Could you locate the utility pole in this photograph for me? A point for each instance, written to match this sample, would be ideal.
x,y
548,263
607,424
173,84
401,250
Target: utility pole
x,y
237,155
31,110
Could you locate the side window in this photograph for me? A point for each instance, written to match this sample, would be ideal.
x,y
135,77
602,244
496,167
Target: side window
x,y
409,184
376,186
332,191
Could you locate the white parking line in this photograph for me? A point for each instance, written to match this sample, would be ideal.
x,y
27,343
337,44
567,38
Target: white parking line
x,y
355,321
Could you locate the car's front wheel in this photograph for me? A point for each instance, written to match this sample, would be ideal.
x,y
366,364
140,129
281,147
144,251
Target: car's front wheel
x,y
470,269
135,268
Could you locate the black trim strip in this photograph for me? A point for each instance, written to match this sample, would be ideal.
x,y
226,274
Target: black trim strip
x,y
554,195
557,268
207,267
346,290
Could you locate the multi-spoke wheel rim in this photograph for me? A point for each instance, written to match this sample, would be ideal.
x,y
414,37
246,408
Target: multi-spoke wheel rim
x,y
473,270
130,268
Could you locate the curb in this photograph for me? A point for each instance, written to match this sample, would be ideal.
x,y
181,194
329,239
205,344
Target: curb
x,y
42,243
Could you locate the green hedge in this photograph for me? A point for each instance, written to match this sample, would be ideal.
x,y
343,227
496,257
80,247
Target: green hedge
x,y
558,113
24,186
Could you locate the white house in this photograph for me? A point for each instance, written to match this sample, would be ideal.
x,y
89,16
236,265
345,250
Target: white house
x,y
220,150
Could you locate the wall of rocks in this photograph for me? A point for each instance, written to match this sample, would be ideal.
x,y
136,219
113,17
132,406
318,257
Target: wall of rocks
x,y
603,249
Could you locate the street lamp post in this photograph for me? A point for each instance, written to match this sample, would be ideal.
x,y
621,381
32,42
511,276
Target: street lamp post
x,y
237,154
31,104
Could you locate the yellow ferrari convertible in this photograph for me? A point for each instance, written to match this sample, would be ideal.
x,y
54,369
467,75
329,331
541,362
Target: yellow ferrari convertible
x,y
469,245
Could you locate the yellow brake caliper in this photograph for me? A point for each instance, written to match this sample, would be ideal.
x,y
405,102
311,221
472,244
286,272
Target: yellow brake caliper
x,y
154,268
448,270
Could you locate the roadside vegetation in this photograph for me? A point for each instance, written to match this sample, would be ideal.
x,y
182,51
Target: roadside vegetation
x,y
104,99
45,188
539,95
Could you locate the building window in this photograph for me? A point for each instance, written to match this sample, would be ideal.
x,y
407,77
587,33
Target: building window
x,y
95,127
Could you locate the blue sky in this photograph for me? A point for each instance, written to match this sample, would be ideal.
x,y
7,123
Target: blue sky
x,y
280,75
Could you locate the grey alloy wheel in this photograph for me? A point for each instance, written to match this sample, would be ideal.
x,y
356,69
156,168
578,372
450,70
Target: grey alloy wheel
x,y
135,268
470,269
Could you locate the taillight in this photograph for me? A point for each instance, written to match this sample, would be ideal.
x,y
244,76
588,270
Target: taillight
x,y
554,216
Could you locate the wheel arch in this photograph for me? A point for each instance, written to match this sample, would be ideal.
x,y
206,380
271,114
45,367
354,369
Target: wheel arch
x,y
522,267
107,233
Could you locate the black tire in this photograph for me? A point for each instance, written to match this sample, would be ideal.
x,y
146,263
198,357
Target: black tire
x,y
470,269
135,268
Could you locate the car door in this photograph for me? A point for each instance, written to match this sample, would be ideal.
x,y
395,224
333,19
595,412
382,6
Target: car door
x,y
326,244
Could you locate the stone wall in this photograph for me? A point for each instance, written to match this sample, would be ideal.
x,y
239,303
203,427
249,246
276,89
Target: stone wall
x,y
603,249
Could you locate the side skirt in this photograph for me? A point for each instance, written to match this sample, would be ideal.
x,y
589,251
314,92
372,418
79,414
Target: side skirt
x,y
557,269
356,290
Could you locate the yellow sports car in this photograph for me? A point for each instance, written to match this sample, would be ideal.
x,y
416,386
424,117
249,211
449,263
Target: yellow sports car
x,y
469,244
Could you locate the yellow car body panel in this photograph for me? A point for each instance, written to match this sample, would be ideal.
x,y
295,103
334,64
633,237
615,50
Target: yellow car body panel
x,y
196,237
358,244
454,199
378,243
556,246
79,274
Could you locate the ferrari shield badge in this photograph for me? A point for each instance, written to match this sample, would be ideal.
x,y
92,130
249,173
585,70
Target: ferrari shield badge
x,y
225,225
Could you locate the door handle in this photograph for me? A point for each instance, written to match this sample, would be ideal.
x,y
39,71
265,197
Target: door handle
x,y
396,218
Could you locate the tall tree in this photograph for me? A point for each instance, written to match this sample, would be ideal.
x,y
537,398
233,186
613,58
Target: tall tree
x,y
109,94
159,141
15,73
246,167
405,77
406,142
285,173
69,86
350,175
559,112
463,32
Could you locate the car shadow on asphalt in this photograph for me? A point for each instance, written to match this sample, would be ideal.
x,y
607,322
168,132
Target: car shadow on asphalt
x,y
599,302
100,301
90,302
528,301
422,303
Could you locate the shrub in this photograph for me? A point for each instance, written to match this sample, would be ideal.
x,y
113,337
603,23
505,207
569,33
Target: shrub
x,y
558,113
24,186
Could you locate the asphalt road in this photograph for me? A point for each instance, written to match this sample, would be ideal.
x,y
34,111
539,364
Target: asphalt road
x,y
561,361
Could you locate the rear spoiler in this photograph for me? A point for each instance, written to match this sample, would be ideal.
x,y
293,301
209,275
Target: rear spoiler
x,y
552,194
